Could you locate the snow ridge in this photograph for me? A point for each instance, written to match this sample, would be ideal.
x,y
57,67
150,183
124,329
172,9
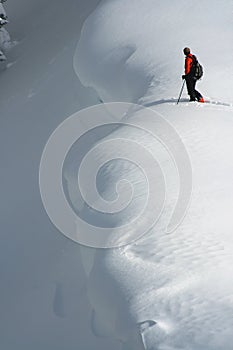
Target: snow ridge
x,y
175,289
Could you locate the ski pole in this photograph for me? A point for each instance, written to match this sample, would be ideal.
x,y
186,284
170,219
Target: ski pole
x,y
182,88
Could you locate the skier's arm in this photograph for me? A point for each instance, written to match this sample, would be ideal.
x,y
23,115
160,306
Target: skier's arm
x,y
188,65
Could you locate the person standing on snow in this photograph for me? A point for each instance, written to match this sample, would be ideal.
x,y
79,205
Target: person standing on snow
x,y
189,76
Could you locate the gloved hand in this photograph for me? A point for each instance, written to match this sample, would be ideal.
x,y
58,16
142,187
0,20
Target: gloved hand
x,y
183,76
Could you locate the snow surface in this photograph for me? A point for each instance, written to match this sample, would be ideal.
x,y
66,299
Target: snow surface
x,y
132,50
43,302
164,292
177,288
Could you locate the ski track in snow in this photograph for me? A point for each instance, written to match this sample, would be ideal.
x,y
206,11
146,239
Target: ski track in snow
x,y
182,100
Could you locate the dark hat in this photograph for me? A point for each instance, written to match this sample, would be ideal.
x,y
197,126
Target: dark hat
x,y
186,51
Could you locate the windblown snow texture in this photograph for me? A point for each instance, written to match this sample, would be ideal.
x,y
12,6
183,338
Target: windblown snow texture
x,y
179,284
165,292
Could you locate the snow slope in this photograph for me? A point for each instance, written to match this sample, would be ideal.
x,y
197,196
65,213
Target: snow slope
x,y
175,289
165,292
181,281
143,55
43,295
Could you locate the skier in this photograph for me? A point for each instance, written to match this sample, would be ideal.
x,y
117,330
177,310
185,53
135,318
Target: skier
x,y
190,78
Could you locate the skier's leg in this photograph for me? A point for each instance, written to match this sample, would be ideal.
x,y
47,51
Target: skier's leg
x,y
198,95
190,87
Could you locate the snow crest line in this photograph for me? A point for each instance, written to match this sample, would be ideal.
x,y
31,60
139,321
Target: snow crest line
x,y
96,228
174,100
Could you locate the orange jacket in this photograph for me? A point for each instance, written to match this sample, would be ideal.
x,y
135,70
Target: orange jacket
x,y
188,63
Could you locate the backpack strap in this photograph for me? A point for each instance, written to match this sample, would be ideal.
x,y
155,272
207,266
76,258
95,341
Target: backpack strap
x,y
194,58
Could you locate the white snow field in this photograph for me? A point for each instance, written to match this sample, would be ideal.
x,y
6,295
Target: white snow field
x,y
173,291
166,291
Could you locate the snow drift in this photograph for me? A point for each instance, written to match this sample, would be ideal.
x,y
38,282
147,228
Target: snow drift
x,y
129,50
165,292
176,288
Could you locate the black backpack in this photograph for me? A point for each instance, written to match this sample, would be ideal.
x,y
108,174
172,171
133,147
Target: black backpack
x,y
197,69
